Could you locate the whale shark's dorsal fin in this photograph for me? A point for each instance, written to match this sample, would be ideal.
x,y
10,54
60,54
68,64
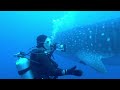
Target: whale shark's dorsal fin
x,y
93,60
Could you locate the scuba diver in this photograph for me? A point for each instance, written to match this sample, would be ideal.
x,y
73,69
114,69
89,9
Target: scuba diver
x,y
41,64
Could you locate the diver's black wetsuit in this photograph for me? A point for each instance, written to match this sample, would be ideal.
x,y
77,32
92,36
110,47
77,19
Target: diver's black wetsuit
x,y
42,65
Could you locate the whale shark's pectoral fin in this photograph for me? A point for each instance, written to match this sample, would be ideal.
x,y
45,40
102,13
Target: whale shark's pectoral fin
x,y
93,60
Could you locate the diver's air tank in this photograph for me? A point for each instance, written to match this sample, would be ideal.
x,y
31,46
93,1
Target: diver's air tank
x,y
23,67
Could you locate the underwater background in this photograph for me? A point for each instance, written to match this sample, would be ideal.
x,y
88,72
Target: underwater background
x,y
19,29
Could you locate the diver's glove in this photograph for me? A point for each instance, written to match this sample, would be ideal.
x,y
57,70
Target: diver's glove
x,y
73,71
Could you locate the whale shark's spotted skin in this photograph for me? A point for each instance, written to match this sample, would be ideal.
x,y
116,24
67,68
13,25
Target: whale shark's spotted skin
x,y
91,43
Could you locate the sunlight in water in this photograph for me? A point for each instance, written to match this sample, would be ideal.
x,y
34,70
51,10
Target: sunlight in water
x,y
64,23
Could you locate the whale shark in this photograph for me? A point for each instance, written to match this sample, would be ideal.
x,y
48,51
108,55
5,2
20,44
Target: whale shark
x,y
89,44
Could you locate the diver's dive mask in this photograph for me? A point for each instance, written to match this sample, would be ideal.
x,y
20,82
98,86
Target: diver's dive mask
x,y
50,45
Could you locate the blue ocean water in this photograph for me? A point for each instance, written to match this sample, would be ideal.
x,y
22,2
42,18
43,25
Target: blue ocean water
x,y
19,29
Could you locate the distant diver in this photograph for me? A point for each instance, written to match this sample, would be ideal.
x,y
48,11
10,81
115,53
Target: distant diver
x,y
40,64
